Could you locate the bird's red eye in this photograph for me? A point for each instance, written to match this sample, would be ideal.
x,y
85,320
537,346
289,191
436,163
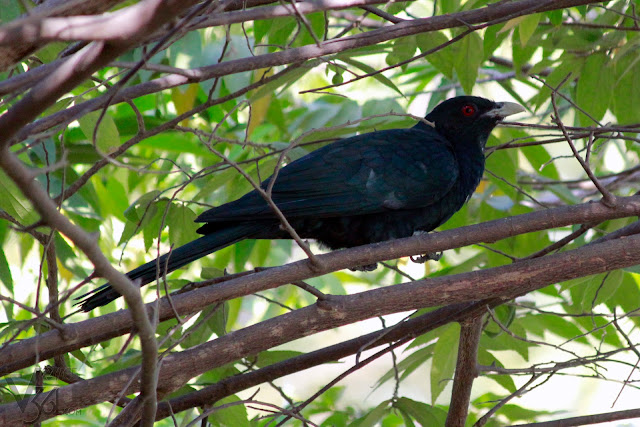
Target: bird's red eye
x,y
468,110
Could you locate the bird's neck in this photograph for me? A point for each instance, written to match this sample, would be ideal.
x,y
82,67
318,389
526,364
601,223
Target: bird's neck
x,y
471,160
469,151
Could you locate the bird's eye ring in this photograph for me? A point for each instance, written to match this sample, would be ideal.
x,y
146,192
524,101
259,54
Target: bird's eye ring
x,y
468,110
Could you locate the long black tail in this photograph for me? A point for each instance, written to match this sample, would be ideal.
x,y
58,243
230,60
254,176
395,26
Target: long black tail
x,y
183,255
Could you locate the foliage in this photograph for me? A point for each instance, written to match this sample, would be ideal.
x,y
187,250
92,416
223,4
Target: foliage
x,y
143,200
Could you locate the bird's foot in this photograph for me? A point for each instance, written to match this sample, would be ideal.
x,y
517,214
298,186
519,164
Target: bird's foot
x,y
421,259
368,267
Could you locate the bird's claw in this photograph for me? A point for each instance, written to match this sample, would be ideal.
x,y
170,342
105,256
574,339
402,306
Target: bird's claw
x,y
421,259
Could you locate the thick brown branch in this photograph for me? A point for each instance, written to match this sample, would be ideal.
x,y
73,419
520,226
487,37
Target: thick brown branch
x,y
404,331
58,8
11,54
150,15
502,282
588,419
88,332
466,371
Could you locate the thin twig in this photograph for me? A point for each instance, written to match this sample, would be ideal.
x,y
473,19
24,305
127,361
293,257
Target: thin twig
x,y
607,198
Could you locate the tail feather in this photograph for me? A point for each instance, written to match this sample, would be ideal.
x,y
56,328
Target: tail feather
x,y
167,263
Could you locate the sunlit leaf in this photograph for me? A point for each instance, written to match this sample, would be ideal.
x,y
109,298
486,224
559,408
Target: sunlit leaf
x,y
445,354
468,60
107,136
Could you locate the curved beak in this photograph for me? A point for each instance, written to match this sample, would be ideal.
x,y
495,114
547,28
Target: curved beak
x,y
504,109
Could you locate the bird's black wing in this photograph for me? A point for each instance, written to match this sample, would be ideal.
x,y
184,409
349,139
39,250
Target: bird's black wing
x,y
370,173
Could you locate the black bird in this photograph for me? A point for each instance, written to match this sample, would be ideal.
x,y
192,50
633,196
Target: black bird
x,y
363,189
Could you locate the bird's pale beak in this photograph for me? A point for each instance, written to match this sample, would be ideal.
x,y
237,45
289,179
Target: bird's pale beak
x,y
504,109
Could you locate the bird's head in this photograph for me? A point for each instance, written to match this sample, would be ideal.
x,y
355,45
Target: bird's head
x,y
470,119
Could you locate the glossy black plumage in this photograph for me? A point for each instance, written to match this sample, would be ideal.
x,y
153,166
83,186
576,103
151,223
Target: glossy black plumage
x,y
359,190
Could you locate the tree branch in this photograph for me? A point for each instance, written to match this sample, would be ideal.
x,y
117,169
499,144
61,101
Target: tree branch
x,y
588,419
504,282
304,53
466,371
91,331
149,15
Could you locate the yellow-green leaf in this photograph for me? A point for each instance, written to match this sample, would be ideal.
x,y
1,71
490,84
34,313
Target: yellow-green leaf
x,y
184,99
443,363
14,202
107,137
468,60
527,27
182,228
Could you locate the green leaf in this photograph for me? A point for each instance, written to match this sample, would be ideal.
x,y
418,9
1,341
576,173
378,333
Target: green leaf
x,y
560,326
107,137
163,329
505,315
370,70
527,27
186,52
260,29
112,199
211,320
468,60
601,330
208,273
184,98
443,59
130,229
381,106
492,39
521,54
243,251
373,416
595,88
271,87
573,282
518,413
11,10
487,359
539,158
182,228
136,211
406,418
232,415
627,296
626,97
504,164
260,254
443,364
555,16
14,203
407,365
601,288
569,64
317,23
505,341
424,414
281,30
505,381
152,228
176,142
449,6
403,49
5,273
270,357
232,310
78,354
